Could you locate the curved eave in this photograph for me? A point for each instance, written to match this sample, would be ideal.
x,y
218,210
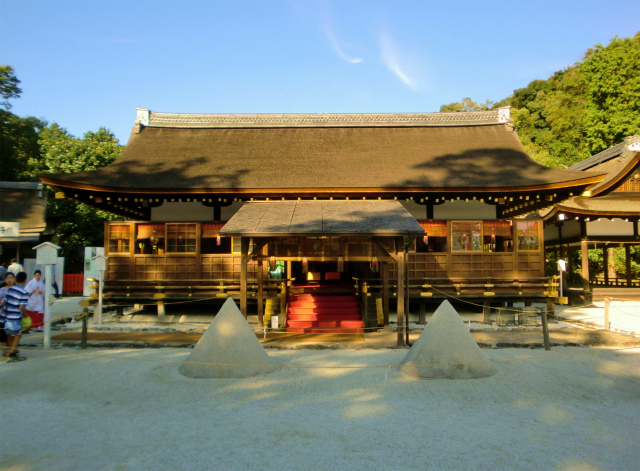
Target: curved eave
x,y
584,182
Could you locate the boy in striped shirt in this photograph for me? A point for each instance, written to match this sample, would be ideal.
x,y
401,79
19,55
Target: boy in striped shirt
x,y
16,299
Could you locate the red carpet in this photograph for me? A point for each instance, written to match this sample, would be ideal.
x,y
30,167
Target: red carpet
x,y
310,313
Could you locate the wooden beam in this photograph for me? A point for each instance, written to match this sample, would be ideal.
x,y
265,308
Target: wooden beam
x,y
258,245
605,262
390,253
244,249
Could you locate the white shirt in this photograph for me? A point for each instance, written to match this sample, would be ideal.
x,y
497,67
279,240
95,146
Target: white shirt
x,y
36,300
15,268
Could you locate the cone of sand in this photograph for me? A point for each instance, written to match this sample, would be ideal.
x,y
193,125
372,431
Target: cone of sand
x,y
446,349
228,349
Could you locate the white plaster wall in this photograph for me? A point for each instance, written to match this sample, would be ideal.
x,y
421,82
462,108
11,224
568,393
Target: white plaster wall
x,y
462,210
605,227
571,229
228,211
177,212
551,233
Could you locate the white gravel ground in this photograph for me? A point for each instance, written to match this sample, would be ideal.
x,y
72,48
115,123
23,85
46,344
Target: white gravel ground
x,y
568,409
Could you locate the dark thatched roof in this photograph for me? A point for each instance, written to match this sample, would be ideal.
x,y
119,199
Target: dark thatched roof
x,y
350,153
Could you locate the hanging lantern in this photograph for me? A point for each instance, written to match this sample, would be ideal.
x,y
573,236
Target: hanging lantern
x,y
218,239
493,240
425,238
305,265
340,264
272,263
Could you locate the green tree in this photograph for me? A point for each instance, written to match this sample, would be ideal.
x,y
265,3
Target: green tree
x,y
612,109
467,104
19,146
75,225
8,85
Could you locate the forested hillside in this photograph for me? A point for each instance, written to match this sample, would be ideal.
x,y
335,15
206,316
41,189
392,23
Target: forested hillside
x,y
579,111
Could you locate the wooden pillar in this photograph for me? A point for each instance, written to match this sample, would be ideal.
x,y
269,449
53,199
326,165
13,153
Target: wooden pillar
x,y
584,248
400,297
422,318
627,259
611,266
217,213
288,272
429,211
407,291
563,256
486,312
385,293
605,262
161,312
244,256
260,294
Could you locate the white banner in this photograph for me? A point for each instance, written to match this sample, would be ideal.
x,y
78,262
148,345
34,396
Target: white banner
x,y
9,229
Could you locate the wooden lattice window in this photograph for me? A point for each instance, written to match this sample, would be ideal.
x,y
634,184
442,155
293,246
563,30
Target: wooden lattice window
x,y
466,236
528,234
119,238
181,238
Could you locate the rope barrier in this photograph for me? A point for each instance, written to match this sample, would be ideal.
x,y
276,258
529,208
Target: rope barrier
x,y
345,367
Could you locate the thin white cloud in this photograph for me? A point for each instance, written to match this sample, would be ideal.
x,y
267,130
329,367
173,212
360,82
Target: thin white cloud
x,y
328,32
391,59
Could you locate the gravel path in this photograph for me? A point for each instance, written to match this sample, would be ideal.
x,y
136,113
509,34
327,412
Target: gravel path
x,y
568,409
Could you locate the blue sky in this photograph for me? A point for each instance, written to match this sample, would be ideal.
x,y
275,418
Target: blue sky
x,y
90,63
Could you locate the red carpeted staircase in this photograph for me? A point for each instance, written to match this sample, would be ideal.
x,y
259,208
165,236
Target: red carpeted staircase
x,y
321,314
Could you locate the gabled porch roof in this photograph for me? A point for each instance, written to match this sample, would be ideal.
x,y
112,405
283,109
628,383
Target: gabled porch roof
x,y
322,218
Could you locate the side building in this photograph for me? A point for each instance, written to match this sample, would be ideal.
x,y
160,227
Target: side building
x,y
22,219
603,218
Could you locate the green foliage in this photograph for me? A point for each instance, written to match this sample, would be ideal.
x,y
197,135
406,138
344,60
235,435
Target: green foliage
x,y
579,111
76,225
8,86
467,104
63,153
30,147
612,110
18,145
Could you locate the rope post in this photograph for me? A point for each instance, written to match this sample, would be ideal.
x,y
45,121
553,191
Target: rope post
x,y
607,308
83,336
545,326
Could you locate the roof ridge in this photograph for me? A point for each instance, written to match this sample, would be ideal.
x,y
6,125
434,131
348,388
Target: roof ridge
x,y
203,120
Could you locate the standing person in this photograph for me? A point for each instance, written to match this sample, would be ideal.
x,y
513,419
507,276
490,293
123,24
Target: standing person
x,y
16,300
35,307
15,267
8,280
56,293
